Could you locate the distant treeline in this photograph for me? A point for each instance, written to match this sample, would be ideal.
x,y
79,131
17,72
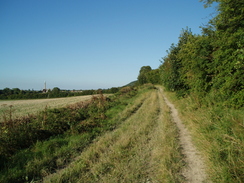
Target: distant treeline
x,y
56,92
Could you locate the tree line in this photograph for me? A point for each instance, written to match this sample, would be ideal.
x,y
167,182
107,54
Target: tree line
x,y
56,92
208,66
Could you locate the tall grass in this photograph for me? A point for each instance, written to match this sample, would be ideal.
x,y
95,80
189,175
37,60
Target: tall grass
x,y
219,133
34,147
143,149
127,138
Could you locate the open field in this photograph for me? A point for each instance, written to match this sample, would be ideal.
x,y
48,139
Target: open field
x,y
32,106
137,137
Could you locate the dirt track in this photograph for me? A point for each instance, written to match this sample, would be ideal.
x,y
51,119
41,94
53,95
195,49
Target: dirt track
x,y
194,172
135,151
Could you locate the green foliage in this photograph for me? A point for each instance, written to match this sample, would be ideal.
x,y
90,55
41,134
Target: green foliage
x,y
133,83
56,92
196,60
228,54
208,70
173,64
147,75
142,77
211,64
153,76
34,146
23,132
219,134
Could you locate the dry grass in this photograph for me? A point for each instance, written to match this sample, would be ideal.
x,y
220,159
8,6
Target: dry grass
x,y
143,149
32,106
218,134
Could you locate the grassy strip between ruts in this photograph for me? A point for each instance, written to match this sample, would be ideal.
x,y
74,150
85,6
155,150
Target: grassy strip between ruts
x,y
218,132
143,149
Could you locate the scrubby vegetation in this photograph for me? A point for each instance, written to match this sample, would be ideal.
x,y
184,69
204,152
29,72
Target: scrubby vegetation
x,y
144,148
34,146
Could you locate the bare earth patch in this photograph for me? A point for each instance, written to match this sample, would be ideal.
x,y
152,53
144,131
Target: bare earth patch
x,y
194,172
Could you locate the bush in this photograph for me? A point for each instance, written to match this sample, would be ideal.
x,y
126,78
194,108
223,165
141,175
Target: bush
x,y
23,132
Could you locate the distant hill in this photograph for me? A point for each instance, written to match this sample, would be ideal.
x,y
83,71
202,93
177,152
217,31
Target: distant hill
x,y
133,83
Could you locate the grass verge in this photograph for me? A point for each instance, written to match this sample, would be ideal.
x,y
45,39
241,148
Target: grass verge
x,y
71,130
144,148
218,133
136,142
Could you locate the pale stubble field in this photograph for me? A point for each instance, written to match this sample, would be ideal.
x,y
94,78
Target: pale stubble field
x,y
33,106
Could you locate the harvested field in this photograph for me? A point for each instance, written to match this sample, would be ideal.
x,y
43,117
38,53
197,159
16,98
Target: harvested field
x,y
32,106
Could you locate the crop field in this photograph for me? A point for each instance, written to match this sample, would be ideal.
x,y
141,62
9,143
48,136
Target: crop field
x,y
33,106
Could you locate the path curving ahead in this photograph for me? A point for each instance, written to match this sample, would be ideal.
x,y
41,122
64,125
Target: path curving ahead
x,y
194,172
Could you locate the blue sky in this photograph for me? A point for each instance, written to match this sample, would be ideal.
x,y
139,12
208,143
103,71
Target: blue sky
x,y
89,44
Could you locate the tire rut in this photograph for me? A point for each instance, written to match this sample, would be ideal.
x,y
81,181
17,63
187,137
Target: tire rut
x,y
194,171
132,110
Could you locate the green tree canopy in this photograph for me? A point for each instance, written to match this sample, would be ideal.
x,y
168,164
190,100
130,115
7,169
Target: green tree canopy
x,y
142,77
149,75
211,64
